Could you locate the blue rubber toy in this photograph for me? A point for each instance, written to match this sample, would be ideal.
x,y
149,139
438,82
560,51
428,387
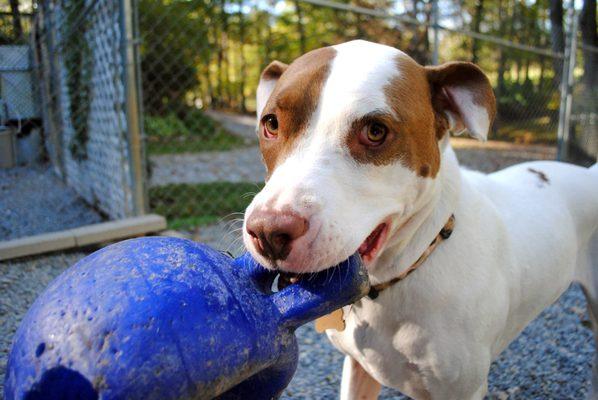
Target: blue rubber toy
x,y
165,318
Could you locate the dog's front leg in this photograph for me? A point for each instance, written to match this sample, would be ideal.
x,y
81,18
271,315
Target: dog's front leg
x,y
356,383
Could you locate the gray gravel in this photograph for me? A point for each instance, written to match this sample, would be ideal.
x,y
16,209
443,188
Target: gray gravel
x,y
241,125
240,165
34,200
551,359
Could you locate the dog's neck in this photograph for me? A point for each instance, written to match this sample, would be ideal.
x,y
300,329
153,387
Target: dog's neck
x,y
414,233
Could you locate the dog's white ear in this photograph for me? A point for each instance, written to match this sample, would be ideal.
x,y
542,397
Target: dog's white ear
x,y
462,92
268,79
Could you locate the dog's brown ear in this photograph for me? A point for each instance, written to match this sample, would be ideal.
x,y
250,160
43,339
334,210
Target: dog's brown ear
x,y
268,79
462,94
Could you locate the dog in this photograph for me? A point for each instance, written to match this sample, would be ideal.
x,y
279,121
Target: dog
x,y
355,140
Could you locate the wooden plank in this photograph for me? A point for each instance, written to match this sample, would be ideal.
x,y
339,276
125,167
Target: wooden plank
x,y
120,229
36,244
84,236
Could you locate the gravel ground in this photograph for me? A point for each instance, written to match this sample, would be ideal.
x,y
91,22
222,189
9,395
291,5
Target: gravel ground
x,y
240,165
34,200
241,125
551,359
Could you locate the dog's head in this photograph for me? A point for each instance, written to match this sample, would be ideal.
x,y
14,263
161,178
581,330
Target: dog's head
x,y
350,138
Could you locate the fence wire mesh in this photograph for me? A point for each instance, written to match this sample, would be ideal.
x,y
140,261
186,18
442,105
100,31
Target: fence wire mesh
x,y
198,66
66,107
80,52
197,57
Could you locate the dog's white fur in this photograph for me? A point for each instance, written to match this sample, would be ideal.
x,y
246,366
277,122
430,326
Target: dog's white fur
x,y
518,243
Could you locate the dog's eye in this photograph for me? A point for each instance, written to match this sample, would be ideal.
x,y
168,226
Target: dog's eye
x,y
270,126
373,134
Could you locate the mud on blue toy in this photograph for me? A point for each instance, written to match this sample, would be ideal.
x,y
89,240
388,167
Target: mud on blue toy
x,y
165,318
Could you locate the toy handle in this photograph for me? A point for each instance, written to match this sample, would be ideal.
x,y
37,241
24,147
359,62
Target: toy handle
x,y
260,276
322,293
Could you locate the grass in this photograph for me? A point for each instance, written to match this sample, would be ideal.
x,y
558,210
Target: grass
x,y
189,205
190,131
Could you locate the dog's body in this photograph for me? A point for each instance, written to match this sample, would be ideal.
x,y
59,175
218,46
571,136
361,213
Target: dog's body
x,y
355,140
519,241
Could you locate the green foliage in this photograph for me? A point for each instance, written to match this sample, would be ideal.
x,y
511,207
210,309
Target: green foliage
x,y
188,205
174,44
79,70
169,127
526,131
190,131
210,53
516,100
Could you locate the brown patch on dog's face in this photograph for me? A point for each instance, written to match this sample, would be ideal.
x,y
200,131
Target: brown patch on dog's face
x,y
293,101
412,128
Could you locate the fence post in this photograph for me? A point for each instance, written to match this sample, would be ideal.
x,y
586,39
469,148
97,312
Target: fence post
x,y
129,29
567,87
435,39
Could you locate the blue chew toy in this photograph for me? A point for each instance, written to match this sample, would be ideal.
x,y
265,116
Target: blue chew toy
x,y
164,318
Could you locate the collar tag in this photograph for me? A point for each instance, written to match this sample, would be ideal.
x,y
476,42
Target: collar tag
x,y
334,320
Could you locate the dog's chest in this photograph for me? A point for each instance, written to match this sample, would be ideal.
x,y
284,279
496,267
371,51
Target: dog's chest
x,y
389,353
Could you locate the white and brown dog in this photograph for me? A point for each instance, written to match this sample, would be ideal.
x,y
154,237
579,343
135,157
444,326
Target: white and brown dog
x,y
355,142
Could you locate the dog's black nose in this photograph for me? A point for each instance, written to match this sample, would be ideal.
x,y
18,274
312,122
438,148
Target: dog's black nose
x,y
273,232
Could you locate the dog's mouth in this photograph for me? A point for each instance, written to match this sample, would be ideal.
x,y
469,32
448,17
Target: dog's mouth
x,y
371,246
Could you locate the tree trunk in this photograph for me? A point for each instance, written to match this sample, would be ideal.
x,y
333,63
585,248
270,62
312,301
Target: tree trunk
x,y
542,69
557,36
219,68
300,26
16,19
268,45
477,21
242,106
589,37
502,61
225,55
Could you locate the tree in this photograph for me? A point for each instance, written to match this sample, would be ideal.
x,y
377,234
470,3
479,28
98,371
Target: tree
x,y
169,63
557,36
589,37
300,25
16,19
477,20
243,74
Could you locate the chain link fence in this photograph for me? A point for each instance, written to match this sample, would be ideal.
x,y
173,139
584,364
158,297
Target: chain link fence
x,y
66,93
197,57
146,105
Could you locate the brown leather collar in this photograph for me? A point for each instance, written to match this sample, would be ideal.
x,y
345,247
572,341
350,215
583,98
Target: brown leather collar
x,y
444,234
